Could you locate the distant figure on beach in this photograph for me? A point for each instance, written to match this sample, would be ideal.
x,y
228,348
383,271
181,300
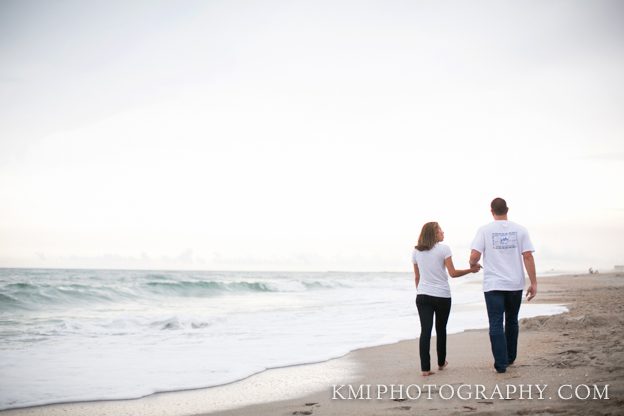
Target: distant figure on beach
x,y
505,246
430,258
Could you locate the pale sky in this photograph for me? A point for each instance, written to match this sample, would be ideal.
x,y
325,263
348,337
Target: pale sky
x,y
318,135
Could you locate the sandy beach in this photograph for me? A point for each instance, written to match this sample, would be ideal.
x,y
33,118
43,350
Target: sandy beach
x,y
567,364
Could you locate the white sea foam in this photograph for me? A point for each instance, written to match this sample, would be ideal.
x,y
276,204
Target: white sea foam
x,y
90,335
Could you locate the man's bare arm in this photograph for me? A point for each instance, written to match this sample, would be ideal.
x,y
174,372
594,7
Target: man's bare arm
x,y
475,256
529,264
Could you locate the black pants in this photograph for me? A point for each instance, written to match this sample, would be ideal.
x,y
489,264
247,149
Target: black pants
x,y
428,306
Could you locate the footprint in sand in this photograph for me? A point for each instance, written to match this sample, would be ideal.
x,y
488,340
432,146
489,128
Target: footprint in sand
x,y
306,412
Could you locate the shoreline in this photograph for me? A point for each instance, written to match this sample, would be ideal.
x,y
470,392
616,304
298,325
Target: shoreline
x,y
314,380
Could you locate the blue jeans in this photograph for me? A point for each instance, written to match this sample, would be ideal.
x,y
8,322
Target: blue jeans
x,y
503,305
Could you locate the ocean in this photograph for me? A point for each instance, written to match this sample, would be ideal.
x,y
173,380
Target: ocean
x,y
81,335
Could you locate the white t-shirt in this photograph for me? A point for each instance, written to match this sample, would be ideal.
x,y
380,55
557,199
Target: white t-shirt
x,y
502,243
433,277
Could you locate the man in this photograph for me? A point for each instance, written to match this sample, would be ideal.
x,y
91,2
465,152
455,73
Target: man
x,y
505,246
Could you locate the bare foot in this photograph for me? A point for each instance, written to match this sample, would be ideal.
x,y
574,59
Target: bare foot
x,y
442,367
427,373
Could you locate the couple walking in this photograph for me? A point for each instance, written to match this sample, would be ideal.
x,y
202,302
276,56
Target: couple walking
x,y
505,246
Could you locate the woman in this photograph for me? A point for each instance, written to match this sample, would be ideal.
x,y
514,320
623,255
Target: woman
x,y
434,293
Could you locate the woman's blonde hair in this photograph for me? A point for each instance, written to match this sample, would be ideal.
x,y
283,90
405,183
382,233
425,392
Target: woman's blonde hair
x,y
428,236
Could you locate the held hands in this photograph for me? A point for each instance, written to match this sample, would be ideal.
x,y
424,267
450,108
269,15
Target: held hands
x,y
475,268
531,292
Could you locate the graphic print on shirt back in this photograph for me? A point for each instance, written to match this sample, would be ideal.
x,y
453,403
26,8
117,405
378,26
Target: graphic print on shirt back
x,y
505,240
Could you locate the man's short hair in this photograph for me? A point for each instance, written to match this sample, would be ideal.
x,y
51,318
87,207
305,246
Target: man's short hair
x,y
499,206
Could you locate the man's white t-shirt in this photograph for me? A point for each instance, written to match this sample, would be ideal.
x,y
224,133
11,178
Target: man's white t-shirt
x,y
502,243
433,277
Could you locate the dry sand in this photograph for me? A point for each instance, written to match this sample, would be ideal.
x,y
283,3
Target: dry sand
x,y
582,347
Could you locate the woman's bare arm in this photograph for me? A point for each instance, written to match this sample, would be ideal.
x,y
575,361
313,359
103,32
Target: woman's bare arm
x,y
448,262
416,275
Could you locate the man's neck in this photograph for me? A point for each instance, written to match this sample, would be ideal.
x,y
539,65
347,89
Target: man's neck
x,y
500,217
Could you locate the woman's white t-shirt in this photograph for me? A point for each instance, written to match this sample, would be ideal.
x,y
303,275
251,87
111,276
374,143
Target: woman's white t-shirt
x,y
433,277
